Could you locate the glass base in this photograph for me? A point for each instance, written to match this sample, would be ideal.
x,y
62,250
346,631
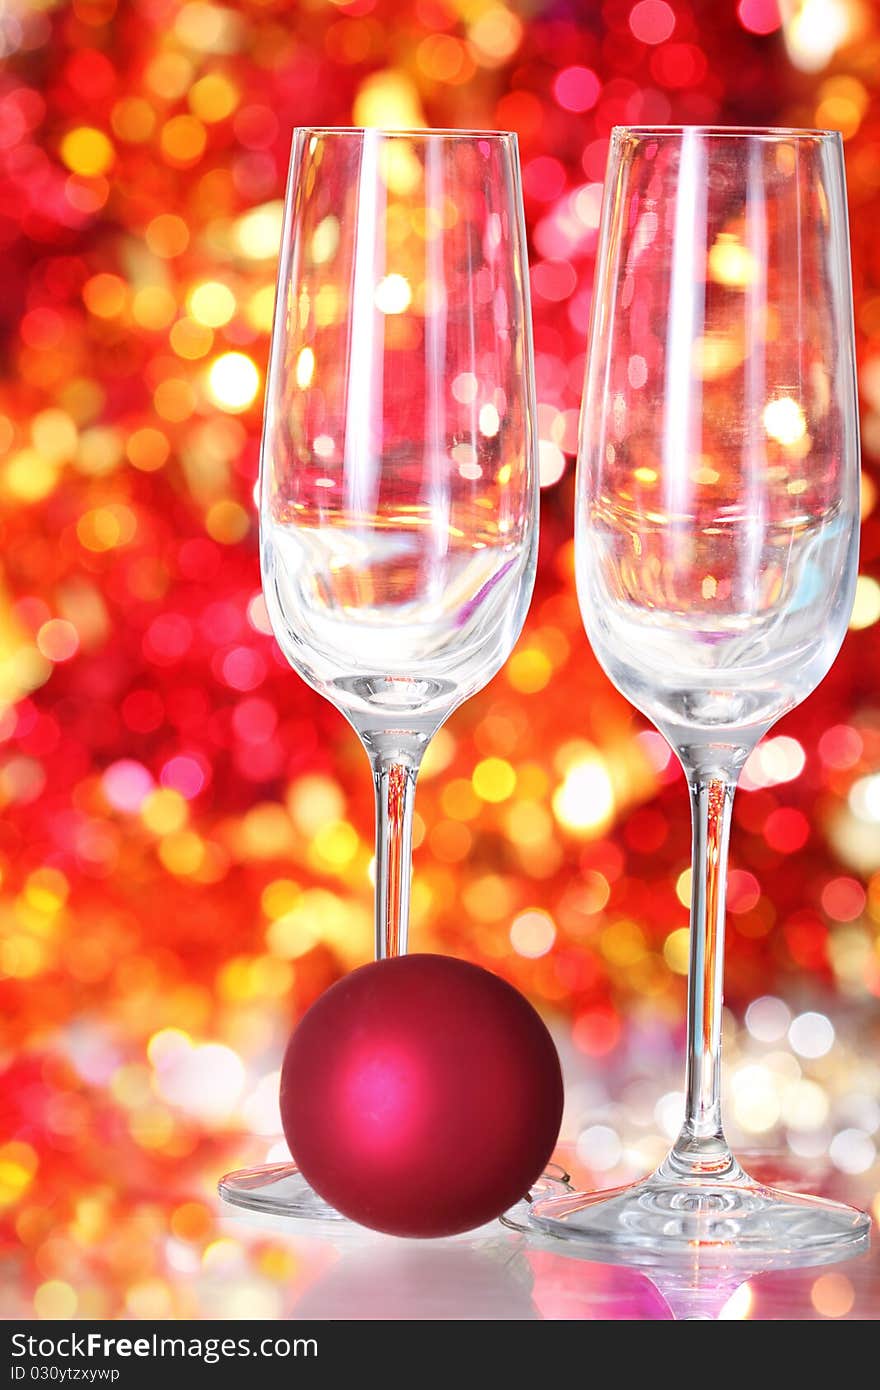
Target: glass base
x,y
663,1217
279,1189
276,1189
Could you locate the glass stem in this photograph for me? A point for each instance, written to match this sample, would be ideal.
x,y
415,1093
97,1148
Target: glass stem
x,y
701,1148
395,781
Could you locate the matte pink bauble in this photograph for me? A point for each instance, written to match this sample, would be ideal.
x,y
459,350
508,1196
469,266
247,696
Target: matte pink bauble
x,y
421,1096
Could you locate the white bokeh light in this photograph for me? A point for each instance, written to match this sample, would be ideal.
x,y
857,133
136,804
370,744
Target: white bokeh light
x,y
600,1148
768,1018
853,1151
811,1035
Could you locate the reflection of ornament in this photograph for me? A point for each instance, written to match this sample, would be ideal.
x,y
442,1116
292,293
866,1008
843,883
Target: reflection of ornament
x,y
569,1288
385,1279
421,1096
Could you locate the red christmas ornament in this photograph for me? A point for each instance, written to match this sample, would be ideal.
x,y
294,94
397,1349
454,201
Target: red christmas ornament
x,y
421,1096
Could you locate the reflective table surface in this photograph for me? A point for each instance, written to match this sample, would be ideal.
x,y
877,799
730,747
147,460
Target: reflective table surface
x,y
343,1272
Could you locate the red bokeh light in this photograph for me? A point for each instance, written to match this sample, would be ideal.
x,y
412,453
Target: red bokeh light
x,y
652,21
759,16
577,89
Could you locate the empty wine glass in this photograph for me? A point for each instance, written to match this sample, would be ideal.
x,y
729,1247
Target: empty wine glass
x,y
717,544
399,501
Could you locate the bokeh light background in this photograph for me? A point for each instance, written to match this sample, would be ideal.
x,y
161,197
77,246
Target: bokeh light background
x,y
186,829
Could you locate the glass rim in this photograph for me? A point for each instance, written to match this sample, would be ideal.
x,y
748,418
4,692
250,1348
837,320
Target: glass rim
x,y
406,132
742,132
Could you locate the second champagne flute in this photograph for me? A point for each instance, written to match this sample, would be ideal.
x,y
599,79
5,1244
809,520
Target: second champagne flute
x,y
399,499
716,547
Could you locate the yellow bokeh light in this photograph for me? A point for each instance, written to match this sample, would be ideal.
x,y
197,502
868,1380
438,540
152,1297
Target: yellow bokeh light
x,y
153,307
99,450
443,58
814,30
305,368
54,434
336,844
258,232
314,800
55,1299
529,824
840,113
292,935
866,605
393,294
164,811
18,1164
494,779
495,36
192,1221
150,1299
623,944
227,521
388,99
731,263
174,399
213,97
676,950
151,1126
105,295
459,800
844,102
211,303
29,476
683,887
167,235
169,75
233,382
46,889
489,420
585,799
191,340
133,120
868,495
87,151
182,853
529,670
260,310
784,420
147,449
280,896
21,958
105,528
182,140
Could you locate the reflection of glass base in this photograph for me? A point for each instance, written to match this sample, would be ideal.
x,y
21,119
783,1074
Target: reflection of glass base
x,y
279,1189
664,1218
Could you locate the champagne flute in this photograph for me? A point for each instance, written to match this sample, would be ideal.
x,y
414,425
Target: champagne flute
x,y
399,498
716,554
